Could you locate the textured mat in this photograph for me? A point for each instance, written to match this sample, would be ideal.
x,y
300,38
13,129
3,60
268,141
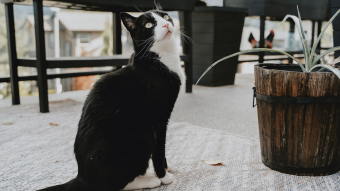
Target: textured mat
x,y
36,150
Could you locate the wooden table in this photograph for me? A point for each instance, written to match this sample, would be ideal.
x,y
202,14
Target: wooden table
x,y
42,63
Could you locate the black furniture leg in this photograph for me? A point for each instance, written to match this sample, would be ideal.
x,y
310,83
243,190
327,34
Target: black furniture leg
x,y
186,24
335,6
117,33
291,30
41,55
318,33
313,32
12,54
262,41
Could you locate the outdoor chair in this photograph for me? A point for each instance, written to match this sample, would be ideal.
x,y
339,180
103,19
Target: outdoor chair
x,y
42,63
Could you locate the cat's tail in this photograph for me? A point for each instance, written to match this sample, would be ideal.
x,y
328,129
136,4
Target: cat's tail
x,y
73,185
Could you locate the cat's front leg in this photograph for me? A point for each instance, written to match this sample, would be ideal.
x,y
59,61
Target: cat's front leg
x,y
161,169
158,156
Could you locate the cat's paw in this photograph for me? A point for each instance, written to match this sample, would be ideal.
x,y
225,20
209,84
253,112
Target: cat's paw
x,y
170,170
153,182
143,182
168,178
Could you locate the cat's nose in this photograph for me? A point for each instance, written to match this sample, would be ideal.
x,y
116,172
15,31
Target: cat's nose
x,y
166,25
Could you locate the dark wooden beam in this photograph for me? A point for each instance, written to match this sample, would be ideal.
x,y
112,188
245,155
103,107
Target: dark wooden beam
x,y
318,33
87,62
12,53
186,25
262,37
62,75
72,62
313,32
41,55
27,62
291,31
117,33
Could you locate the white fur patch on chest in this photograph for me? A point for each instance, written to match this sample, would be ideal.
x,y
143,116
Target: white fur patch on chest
x,y
172,61
167,48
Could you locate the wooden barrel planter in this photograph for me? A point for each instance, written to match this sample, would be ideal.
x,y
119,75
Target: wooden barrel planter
x,y
299,119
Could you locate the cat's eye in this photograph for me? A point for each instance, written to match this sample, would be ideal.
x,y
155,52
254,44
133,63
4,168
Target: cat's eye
x,y
166,17
148,25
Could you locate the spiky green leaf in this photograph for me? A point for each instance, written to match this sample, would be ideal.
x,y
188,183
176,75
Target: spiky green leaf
x,y
325,53
330,68
312,53
336,61
303,40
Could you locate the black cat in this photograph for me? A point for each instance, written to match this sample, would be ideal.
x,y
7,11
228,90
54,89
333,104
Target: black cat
x,y
125,116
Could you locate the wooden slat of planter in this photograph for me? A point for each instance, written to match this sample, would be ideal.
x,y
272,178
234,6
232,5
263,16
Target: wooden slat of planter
x,y
285,84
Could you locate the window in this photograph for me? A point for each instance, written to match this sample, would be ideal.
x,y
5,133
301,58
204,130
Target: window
x,y
84,38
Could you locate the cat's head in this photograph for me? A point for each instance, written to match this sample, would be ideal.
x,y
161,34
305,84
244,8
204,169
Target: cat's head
x,y
149,30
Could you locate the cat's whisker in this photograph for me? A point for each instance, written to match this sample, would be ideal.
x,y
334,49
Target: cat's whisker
x,y
145,39
184,35
145,43
146,52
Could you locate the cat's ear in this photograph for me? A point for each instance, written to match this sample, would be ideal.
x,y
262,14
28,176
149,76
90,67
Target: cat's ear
x,y
129,21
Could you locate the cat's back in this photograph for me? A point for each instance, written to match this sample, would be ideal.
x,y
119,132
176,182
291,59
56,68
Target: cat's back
x,y
116,79
112,92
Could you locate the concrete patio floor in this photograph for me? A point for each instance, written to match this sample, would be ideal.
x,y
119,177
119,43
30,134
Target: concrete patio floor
x,y
227,108
36,150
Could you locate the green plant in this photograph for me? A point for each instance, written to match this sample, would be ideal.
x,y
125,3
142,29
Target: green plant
x,y
311,58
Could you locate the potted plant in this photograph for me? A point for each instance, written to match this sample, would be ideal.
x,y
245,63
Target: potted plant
x,y
299,110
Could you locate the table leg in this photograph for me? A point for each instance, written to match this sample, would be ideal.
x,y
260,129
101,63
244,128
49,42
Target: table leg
x,y
291,31
117,33
186,24
12,54
262,40
41,55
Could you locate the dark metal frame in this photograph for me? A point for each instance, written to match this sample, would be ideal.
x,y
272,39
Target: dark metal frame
x,y
186,25
261,55
12,53
42,63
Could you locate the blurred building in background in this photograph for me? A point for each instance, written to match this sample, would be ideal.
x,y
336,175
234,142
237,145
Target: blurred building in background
x,y
86,34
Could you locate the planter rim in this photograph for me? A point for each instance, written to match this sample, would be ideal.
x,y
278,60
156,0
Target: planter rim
x,y
292,82
262,66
